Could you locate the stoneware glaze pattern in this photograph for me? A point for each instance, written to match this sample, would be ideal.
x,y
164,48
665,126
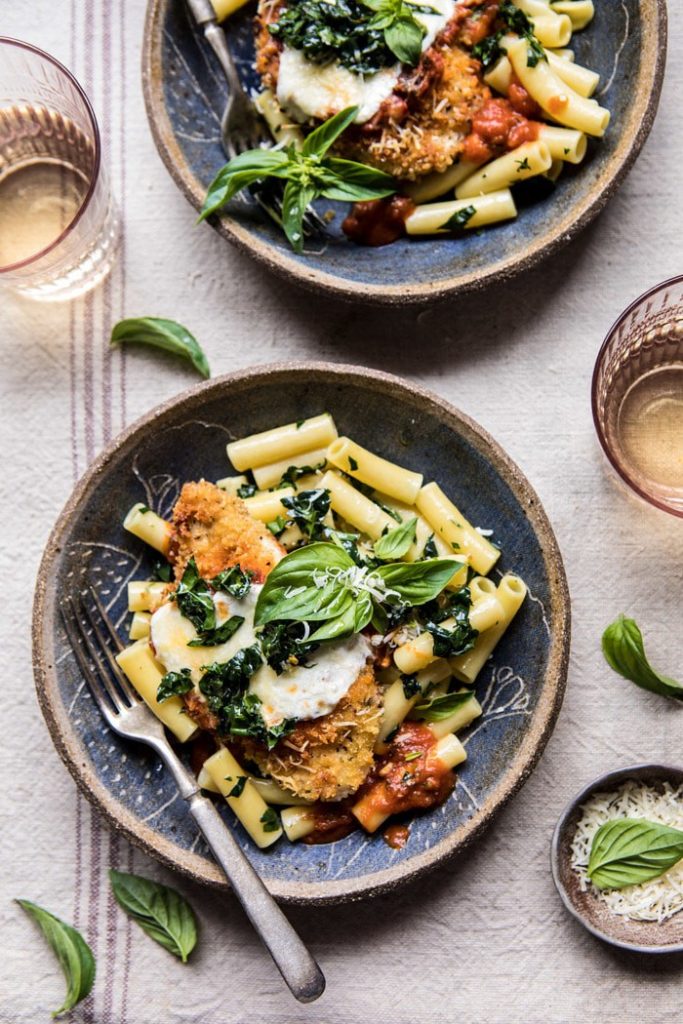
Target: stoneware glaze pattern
x,y
520,689
185,95
586,907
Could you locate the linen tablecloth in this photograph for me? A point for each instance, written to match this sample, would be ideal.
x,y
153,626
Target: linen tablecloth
x,y
485,938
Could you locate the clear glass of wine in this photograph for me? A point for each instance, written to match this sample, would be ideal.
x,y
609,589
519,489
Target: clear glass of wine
x,y
59,227
638,396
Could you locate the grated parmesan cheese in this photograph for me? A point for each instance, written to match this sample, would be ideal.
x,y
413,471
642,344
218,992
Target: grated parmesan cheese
x,y
658,899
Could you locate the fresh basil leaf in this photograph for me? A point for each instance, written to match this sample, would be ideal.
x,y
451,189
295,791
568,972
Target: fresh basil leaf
x,y
459,220
238,788
320,140
404,38
74,954
419,582
294,202
628,851
195,599
290,590
174,684
411,687
245,169
270,820
294,473
622,645
219,635
165,334
355,618
277,526
159,910
352,182
162,571
396,543
439,708
449,642
235,581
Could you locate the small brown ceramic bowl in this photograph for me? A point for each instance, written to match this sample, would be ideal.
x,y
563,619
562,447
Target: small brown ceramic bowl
x,y
592,913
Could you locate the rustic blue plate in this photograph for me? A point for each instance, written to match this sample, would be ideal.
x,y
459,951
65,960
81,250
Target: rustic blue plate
x,y
520,689
185,96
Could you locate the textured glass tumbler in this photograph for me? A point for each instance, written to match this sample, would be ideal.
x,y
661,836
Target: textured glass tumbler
x,y
59,227
638,396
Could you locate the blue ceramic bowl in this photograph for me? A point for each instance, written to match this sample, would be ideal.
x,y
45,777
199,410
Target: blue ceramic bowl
x,y
520,689
185,96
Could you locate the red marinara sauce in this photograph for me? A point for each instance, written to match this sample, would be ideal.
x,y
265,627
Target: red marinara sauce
x,y
502,125
407,777
396,836
378,221
332,822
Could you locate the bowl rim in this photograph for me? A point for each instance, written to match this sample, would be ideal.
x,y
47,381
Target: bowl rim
x,y
610,778
552,687
641,116
618,466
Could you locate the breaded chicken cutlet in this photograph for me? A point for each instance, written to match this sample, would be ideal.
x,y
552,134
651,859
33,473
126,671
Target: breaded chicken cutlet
x,y
325,758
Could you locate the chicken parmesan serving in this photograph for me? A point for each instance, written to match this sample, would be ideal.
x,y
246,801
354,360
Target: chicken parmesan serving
x,y
393,103
315,632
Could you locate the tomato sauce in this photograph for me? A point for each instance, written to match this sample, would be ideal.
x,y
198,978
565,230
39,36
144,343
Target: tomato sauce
x,y
332,822
378,221
396,836
407,777
502,125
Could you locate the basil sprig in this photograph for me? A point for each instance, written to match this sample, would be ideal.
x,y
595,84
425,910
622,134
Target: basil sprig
x,y
622,645
320,583
159,910
74,954
403,33
396,543
166,334
628,851
309,173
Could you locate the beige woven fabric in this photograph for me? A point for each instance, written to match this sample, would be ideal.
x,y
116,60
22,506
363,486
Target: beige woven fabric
x,y
486,938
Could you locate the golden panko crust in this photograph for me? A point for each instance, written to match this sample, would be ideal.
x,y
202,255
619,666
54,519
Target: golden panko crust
x,y
218,531
327,758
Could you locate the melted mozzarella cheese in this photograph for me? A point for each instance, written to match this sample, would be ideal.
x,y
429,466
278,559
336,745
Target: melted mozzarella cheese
x,y
298,693
307,90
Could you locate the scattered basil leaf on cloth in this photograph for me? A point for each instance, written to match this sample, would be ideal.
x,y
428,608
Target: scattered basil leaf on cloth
x,y
622,645
166,334
439,708
160,911
396,543
74,954
308,172
628,851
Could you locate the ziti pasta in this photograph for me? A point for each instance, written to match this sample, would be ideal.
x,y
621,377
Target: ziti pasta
x,y
321,622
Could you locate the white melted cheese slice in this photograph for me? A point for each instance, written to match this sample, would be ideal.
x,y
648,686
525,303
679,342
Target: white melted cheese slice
x,y
307,90
298,693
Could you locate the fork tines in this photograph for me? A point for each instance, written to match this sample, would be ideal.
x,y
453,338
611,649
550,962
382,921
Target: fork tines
x,y
94,641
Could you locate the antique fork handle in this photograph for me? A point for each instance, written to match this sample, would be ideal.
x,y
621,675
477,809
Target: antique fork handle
x,y
205,16
296,965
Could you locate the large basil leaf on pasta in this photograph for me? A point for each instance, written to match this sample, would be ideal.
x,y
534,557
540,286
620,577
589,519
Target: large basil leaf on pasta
x,y
396,543
159,910
296,589
74,954
353,620
419,582
628,851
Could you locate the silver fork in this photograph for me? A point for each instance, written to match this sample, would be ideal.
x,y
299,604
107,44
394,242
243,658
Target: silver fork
x,y
242,127
94,639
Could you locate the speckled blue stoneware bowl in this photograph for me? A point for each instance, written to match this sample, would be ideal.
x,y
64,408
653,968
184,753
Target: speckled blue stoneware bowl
x,y
520,689
185,96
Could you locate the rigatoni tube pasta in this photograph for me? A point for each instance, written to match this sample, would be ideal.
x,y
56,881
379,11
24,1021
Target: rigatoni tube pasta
x,y
268,506
551,28
462,717
526,161
271,474
579,12
282,442
452,527
511,592
148,526
374,471
435,185
581,80
234,784
438,218
397,705
556,97
145,595
355,508
145,673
